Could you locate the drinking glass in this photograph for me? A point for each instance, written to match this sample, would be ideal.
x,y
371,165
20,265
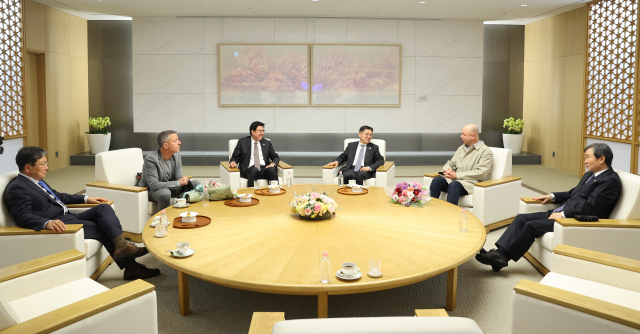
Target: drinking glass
x,y
375,266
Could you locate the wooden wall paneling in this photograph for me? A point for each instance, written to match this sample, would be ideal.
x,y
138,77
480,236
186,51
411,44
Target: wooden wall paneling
x,y
31,96
79,105
12,111
34,25
533,41
576,31
57,35
551,110
78,37
42,101
531,106
58,102
554,36
573,98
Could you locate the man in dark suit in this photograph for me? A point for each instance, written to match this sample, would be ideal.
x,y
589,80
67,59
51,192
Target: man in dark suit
x,y
596,194
255,156
35,205
362,157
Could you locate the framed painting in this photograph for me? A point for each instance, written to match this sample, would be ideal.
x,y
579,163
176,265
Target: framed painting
x,y
356,75
255,75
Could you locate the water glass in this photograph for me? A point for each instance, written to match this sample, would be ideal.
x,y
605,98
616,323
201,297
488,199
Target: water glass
x,y
375,266
161,229
365,184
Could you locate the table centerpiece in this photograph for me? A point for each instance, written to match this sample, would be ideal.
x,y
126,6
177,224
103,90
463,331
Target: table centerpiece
x,y
313,205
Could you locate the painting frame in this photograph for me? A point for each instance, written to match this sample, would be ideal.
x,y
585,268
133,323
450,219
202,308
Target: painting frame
x,y
220,69
313,77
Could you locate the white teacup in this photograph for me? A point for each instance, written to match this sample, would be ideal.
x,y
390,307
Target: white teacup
x,y
350,269
181,201
352,182
274,188
244,198
273,183
183,247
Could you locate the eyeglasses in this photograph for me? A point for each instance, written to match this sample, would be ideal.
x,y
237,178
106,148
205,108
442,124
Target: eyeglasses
x,y
46,163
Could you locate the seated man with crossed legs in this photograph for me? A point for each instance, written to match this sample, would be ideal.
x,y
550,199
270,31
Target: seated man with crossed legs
x,y
255,156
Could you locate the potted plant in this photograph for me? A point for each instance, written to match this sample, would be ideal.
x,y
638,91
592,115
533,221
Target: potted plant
x,y
512,136
99,138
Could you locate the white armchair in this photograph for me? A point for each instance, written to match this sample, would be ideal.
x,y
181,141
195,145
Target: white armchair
x,y
231,176
586,292
53,294
19,244
385,174
494,202
425,322
617,236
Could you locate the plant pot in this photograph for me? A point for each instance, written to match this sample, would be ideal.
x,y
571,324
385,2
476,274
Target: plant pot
x,y
99,142
513,142
326,215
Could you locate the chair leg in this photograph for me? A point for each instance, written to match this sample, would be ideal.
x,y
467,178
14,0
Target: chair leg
x,y
102,268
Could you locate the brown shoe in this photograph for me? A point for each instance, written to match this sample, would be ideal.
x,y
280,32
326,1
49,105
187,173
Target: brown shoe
x,y
129,251
137,270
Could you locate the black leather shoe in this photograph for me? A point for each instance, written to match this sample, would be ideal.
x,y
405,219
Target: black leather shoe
x,y
493,258
137,270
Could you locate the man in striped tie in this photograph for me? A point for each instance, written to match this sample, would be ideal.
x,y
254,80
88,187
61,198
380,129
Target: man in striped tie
x,y
596,194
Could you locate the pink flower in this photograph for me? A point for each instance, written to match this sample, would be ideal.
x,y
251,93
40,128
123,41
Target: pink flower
x,y
307,211
315,195
404,193
331,208
318,207
402,199
410,189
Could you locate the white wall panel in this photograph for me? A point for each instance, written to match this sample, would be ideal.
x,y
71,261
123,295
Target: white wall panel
x,y
447,114
158,112
408,76
372,31
407,37
310,120
326,31
383,120
448,38
449,76
291,30
168,74
248,30
234,120
621,154
212,34
211,74
167,35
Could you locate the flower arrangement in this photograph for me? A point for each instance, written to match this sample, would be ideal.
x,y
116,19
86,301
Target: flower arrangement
x,y
513,127
97,125
213,184
313,205
409,194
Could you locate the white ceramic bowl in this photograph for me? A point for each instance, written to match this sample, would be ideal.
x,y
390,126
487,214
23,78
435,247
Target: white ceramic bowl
x,y
189,217
245,197
274,189
356,188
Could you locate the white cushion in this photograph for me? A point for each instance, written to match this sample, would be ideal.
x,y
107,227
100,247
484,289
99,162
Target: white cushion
x,y
628,206
8,317
5,216
386,325
546,241
501,162
382,145
608,293
119,166
58,297
91,247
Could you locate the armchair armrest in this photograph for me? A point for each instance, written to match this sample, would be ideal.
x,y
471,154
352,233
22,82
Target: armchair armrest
x,y
530,200
328,167
595,307
83,309
225,164
436,312
87,205
284,165
598,257
385,167
502,180
432,175
15,230
30,267
120,187
615,223
262,322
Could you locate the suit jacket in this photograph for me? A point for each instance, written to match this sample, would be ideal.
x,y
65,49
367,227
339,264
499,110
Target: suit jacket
x,y
598,197
31,207
372,157
242,153
154,172
471,166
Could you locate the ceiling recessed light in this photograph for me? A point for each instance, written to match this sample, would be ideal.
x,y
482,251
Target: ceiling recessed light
x,y
315,0
523,5
421,2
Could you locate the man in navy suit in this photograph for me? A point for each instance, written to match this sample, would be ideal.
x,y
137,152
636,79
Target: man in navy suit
x,y
255,156
35,205
596,194
362,157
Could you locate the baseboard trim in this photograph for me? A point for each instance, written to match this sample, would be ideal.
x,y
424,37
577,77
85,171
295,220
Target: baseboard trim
x,y
102,268
132,236
499,224
542,269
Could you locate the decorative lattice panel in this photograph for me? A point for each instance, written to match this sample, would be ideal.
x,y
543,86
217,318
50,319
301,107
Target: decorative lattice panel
x,y
11,69
611,69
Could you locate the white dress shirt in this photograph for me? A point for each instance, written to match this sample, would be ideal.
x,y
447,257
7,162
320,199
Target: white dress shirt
x,y
553,196
259,152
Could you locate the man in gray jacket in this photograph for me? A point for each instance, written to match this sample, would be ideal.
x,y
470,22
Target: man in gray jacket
x,y
471,163
162,171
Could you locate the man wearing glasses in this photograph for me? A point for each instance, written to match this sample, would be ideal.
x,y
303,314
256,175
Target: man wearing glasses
x,y
255,156
34,204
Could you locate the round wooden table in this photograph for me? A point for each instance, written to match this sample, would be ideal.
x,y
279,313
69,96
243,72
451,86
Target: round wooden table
x,y
266,248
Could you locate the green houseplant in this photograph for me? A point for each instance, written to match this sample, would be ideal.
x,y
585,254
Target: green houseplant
x,y
98,136
512,136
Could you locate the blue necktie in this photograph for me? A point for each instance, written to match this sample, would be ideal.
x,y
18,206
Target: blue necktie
x,y
561,207
44,185
359,161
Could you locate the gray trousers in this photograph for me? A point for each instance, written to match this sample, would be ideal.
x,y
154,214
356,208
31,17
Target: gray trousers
x,y
163,196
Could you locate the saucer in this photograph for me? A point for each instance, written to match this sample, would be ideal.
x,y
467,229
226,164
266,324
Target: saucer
x,y
374,276
175,252
340,275
186,205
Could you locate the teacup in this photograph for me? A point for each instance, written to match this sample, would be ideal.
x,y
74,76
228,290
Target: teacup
x,y
274,188
244,198
350,269
352,182
273,183
356,188
183,247
181,201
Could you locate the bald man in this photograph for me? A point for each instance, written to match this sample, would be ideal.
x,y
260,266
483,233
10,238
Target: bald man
x,y
471,163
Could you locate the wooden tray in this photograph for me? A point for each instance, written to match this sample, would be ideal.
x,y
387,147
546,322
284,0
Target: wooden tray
x,y
236,202
347,191
265,192
200,221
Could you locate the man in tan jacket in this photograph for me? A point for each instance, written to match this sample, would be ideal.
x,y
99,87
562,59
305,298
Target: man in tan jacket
x,y
471,163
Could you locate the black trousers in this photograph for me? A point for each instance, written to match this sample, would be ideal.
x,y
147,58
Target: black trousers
x,y
454,189
523,231
100,223
252,174
350,174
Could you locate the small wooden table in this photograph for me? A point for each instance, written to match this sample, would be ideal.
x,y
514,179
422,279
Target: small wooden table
x,y
266,248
